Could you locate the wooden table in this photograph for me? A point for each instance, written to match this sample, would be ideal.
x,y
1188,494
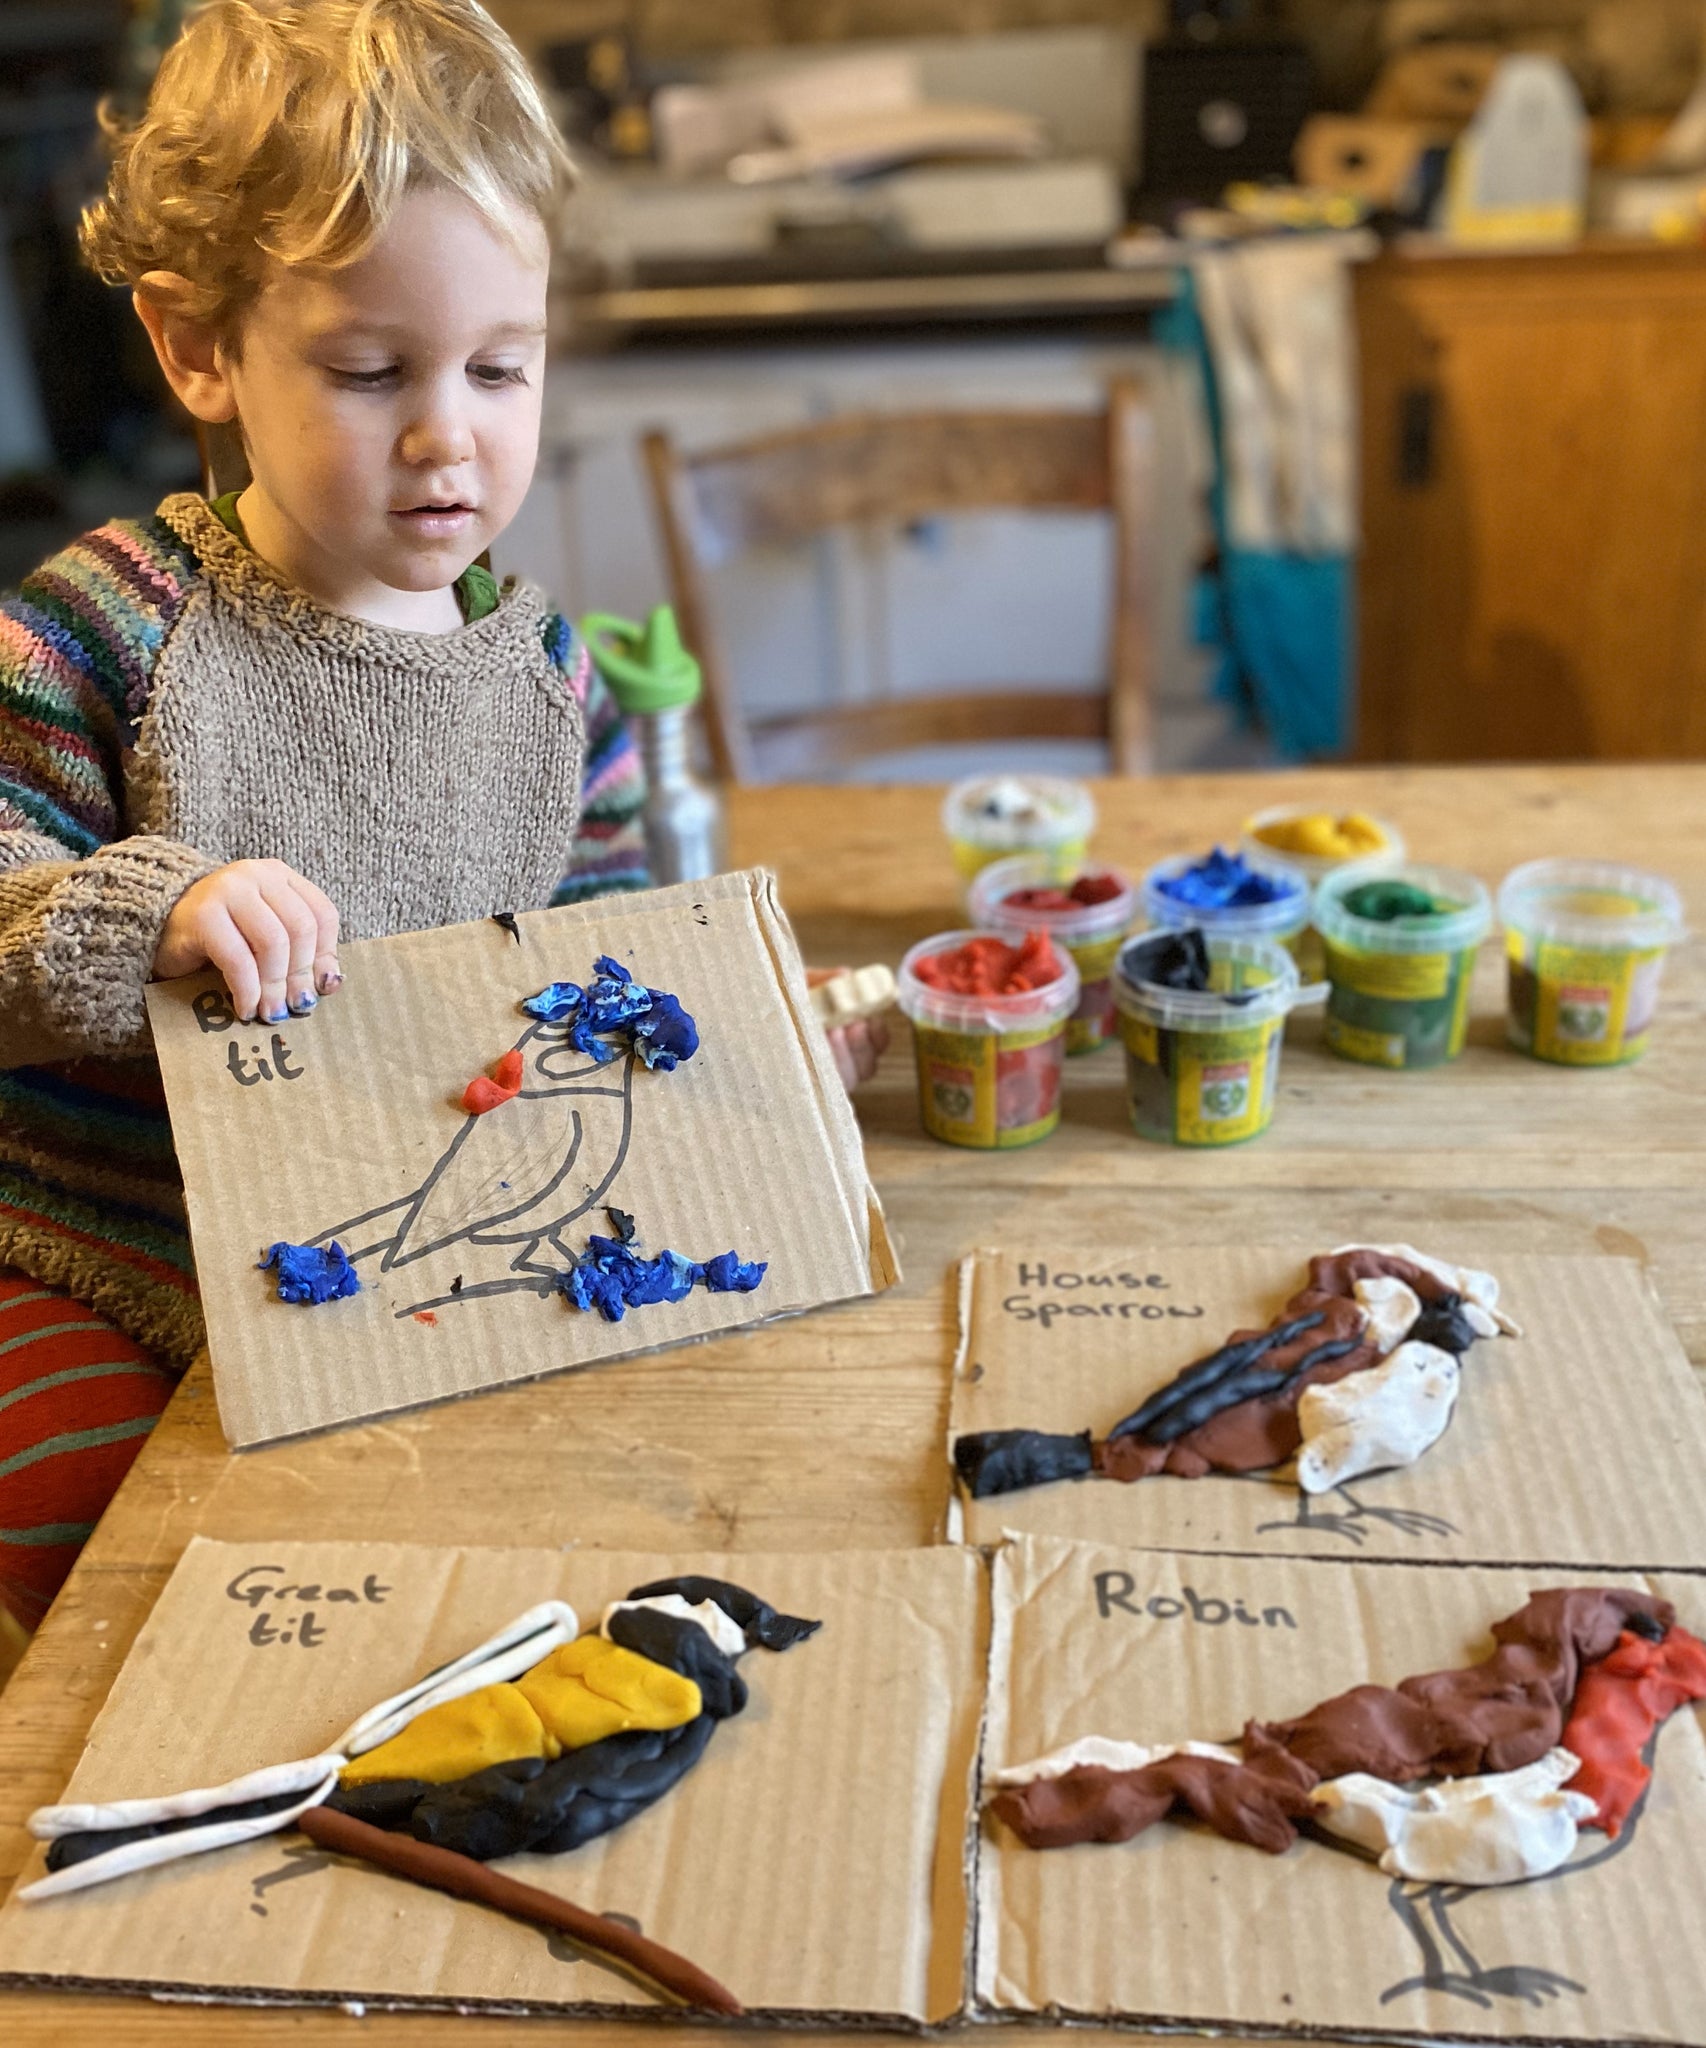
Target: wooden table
x,y
828,1432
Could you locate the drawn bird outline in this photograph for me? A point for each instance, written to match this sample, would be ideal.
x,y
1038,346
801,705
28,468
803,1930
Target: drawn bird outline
x,y
515,1177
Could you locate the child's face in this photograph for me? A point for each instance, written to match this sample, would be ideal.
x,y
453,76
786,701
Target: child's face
x,y
391,407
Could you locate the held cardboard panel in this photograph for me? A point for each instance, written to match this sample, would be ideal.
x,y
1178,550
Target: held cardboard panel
x,y
1179,1927
1579,1442
349,1123
852,1761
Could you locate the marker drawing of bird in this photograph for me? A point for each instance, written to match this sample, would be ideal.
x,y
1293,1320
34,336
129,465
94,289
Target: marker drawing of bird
x,y
514,1177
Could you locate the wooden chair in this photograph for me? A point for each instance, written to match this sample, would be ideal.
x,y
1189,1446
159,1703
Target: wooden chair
x,y
894,468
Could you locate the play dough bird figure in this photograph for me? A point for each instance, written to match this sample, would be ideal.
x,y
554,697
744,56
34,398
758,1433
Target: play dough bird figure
x,y
540,1144
1452,1781
539,1740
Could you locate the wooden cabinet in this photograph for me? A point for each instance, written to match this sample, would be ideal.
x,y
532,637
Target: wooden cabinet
x,y
1534,570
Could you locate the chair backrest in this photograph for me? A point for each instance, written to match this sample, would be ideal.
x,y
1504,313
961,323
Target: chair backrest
x,y
895,468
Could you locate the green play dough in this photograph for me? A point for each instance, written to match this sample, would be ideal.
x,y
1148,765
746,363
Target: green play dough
x,y
1387,902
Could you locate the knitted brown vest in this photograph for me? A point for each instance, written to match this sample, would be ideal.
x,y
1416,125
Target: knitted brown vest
x,y
418,778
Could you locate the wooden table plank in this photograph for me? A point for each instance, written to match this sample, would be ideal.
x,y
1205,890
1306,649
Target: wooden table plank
x,y
827,1431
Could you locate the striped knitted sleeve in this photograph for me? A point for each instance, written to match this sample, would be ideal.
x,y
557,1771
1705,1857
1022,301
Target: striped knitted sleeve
x,y
81,905
609,853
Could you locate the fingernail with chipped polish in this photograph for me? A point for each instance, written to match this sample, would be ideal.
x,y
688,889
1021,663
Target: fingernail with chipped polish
x,y
302,1004
328,982
277,1015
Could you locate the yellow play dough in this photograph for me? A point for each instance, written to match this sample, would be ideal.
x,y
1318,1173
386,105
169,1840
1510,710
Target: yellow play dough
x,y
490,1726
1325,837
591,1688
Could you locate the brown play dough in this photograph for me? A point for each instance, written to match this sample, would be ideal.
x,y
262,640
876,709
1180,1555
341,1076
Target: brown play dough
x,y
1263,1430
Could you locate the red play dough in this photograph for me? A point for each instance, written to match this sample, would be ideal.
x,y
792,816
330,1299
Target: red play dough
x,y
1086,891
991,967
1619,1702
487,1091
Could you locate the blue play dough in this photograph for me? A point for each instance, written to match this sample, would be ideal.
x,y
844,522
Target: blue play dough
x,y
1225,881
613,1007
612,1278
310,1273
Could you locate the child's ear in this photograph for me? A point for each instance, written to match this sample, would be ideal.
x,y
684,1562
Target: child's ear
x,y
187,345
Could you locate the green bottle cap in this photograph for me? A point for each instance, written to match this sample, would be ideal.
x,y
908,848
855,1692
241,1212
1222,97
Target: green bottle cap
x,y
646,666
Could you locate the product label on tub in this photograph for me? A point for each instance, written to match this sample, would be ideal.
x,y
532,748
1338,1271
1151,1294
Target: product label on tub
x,y
1585,1007
978,1089
1201,1087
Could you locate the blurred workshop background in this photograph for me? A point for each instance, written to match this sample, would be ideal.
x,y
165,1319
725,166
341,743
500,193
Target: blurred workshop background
x,y
1378,326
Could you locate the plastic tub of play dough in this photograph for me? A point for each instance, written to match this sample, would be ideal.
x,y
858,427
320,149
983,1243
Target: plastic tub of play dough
x,y
1315,843
1089,915
1229,896
1202,1018
989,1062
1400,945
1586,942
989,817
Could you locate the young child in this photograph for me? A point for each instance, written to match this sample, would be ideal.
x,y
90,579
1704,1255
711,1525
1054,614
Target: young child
x,y
236,734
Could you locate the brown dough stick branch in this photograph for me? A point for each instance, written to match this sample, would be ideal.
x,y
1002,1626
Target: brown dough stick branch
x,y
443,1870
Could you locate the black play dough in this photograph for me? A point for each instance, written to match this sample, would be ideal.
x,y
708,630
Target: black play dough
x,y
1176,960
1443,1324
760,1621
1203,1379
529,1805
65,1850
993,1461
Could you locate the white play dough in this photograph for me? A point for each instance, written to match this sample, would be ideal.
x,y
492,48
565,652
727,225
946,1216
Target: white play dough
x,y
1377,1419
1480,1291
1110,1755
723,1630
1493,1830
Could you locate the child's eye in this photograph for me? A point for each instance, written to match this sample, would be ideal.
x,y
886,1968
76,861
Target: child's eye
x,y
492,375
365,380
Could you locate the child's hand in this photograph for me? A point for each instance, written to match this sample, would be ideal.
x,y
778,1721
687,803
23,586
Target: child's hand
x,y
268,930
857,1047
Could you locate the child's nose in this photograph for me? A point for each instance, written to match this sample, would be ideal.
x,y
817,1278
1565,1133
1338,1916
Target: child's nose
x,y
438,435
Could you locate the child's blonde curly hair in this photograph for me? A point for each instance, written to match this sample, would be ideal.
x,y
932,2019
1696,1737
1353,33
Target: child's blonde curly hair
x,y
290,129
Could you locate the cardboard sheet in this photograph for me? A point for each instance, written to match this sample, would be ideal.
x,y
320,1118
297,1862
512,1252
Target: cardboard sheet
x,y
1581,1442
814,1860
348,1124
1180,1927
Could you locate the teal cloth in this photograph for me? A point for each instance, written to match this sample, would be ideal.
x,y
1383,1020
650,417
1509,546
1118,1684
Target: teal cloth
x,y
1284,625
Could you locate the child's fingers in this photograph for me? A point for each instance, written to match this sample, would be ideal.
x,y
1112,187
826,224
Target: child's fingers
x,y
226,948
269,941
863,1048
327,973
282,892
845,1064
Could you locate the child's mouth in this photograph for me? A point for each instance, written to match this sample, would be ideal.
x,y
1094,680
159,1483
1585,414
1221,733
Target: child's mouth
x,y
435,522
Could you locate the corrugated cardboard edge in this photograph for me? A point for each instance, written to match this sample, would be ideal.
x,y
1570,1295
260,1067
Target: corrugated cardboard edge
x,y
954,1514
357,2003
985,1884
834,1104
